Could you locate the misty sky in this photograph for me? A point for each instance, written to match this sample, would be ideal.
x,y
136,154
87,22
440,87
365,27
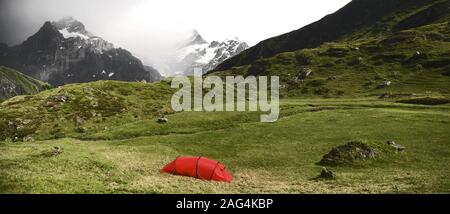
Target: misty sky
x,y
149,28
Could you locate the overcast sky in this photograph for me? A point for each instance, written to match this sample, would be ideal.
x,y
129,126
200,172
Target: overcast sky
x,y
148,27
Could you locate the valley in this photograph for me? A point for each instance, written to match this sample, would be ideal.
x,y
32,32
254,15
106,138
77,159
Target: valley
x,y
364,108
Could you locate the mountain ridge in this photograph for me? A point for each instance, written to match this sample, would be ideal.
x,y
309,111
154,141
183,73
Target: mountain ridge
x,y
405,53
353,17
65,52
199,53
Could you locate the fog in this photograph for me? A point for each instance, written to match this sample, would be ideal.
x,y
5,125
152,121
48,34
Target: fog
x,y
150,29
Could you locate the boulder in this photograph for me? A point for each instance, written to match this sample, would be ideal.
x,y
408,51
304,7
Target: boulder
x,y
303,74
348,153
57,150
163,119
326,174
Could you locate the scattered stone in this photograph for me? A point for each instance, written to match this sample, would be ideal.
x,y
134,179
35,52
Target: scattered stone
x,y
59,98
326,174
57,150
163,119
349,153
28,139
303,74
396,146
385,84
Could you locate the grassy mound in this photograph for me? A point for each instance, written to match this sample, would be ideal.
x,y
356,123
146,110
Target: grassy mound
x,y
348,153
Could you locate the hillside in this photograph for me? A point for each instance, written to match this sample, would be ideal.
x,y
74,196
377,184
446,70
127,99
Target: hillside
x,y
410,57
13,83
358,19
78,109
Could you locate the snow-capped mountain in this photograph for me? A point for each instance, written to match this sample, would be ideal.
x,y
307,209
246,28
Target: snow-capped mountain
x,y
198,53
65,52
74,29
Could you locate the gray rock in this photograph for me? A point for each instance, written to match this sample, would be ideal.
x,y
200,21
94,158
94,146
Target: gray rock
x,y
396,146
163,119
57,150
326,174
28,139
385,84
303,74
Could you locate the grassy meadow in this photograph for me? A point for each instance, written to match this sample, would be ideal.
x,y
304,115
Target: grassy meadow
x,y
276,157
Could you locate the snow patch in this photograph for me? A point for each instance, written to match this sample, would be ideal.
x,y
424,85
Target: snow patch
x,y
66,34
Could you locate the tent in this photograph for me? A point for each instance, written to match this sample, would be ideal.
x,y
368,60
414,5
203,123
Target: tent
x,y
198,167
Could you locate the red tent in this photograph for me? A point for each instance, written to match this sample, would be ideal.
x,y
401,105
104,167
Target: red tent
x,y
198,167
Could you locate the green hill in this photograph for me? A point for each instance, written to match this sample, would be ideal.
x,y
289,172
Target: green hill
x,y
408,55
13,83
358,19
74,109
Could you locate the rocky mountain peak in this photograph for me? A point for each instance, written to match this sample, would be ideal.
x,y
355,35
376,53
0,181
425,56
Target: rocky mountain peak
x,y
199,53
195,39
65,52
70,27
47,28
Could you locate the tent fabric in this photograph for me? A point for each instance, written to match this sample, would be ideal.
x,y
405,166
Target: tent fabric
x,y
198,167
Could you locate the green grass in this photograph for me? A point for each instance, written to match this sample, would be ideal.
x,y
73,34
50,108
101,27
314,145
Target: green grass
x,y
276,157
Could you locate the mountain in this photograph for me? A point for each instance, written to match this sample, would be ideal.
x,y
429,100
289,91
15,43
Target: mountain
x,y
198,53
13,83
65,52
387,48
360,18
